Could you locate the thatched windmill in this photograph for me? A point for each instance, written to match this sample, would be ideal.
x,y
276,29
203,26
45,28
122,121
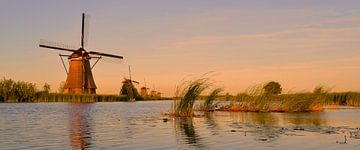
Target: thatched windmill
x,y
79,77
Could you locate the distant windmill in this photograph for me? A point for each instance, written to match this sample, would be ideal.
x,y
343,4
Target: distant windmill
x,y
144,90
129,79
79,77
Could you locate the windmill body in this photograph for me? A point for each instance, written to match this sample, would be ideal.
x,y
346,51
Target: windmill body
x,y
79,77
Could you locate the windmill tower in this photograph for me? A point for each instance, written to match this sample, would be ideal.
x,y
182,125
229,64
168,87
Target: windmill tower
x,y
79,77
129,80
144,90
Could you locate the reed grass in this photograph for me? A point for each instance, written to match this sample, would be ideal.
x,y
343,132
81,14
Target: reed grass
x,y
208,104
266,103
256,100
78,98
344,99
186,94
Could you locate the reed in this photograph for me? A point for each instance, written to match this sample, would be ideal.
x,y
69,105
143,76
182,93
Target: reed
x,y
208,104
274,104
78,98
256,100
186,94
344,98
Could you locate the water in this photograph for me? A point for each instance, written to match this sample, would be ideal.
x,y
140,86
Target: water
x,y
141,125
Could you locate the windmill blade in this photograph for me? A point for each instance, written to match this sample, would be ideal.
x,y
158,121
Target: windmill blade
x,y
106,55
82,30
57,46
85,30
135,81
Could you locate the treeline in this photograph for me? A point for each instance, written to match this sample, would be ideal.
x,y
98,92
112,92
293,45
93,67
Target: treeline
x,y
20,91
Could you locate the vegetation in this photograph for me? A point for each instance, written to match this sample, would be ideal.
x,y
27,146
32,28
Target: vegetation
x,y
208,104
186,94
321,89
61,87
272,88
344,98
77,98
46,88
20,91
259,100
152,98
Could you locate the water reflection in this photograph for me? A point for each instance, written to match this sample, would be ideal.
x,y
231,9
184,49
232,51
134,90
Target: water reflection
x,y
268,127
79,125
212,125
184,128
138,126
299,119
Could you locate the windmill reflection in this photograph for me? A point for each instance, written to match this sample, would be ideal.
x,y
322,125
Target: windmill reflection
x,y
185,128
79,125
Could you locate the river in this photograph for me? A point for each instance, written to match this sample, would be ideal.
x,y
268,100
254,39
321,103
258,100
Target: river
x,y
142,125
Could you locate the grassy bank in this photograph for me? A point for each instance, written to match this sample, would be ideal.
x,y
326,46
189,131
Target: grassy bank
x,y
276,103
155,98
343,99
77,98
298,102
19,91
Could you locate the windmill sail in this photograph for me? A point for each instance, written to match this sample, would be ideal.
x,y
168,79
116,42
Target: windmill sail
x,y
57,46
79,78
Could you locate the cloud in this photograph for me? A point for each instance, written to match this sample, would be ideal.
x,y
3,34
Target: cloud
x,y
305,34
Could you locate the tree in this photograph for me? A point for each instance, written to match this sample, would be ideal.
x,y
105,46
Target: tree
x,y
321,89
61,87
272,88
46,88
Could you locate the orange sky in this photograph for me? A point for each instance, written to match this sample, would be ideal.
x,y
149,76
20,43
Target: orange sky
x,y
243,42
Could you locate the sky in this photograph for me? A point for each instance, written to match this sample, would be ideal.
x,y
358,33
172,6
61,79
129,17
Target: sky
x,y
300,44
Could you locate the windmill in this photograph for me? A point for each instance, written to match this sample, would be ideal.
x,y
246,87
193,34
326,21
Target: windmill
x,y
129,80
79,76
144,90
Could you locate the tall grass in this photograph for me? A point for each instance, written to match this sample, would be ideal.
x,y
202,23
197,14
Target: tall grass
x,y
344,98
186,94
258,101
78,98
208,104
266,103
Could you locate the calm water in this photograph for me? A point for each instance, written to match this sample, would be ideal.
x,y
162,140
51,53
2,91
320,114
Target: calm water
x,y
141,125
